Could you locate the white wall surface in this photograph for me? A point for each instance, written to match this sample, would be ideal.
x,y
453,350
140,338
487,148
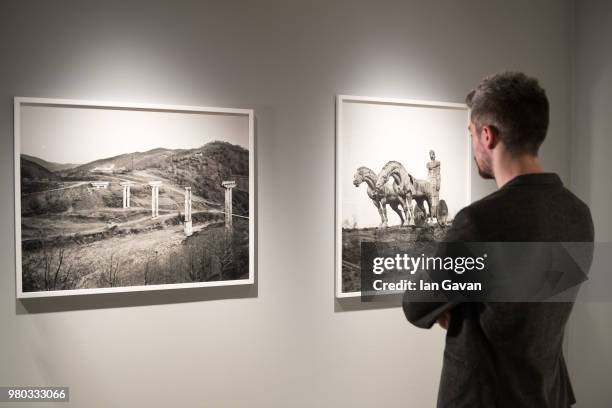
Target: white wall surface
x,y
589,333
285,342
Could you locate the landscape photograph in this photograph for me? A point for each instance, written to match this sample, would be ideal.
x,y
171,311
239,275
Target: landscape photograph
x,y
402,173
119,198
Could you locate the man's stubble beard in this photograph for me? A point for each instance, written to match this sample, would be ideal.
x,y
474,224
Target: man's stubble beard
x,y
486,174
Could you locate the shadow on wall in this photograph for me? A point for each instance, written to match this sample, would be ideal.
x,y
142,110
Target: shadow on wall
x,y
129,299
351,304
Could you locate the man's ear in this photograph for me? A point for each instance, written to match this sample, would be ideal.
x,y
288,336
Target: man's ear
x,y
489,136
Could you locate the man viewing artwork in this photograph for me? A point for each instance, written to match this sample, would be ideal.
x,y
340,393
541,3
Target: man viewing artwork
x,y
508,354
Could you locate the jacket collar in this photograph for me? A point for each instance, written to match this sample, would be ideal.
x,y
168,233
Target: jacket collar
x,y
535,179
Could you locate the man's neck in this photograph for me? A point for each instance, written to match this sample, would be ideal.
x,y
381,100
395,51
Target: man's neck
x,y
506,167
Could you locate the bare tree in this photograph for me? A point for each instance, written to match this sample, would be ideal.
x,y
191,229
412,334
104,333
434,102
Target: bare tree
x,y
147,271
226,257
110,275
56,270
195,271
218,252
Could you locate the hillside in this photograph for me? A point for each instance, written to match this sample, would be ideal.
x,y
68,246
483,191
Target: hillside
x,y
204,169
31,170
51,166
233,157
125,162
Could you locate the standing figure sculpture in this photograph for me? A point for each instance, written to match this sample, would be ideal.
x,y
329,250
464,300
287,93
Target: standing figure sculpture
x,y
434,178
381,197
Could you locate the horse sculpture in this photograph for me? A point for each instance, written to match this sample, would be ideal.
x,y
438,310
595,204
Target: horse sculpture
x,y
381,196
409,188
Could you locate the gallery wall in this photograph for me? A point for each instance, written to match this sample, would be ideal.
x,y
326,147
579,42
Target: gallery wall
x,y
286,341
589,332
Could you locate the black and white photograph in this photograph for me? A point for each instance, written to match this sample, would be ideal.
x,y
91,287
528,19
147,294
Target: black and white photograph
x,y
114,197
402,173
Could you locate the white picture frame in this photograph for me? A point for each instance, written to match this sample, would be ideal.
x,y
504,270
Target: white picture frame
x,y
243,118
342,102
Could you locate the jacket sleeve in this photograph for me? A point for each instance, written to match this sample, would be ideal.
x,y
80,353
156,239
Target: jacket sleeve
x,y
425,314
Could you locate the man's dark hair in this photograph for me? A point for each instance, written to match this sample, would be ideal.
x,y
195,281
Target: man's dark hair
x,y
516,106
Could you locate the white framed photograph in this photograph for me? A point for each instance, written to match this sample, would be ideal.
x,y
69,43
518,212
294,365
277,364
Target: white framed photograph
x,y
402,173
120,197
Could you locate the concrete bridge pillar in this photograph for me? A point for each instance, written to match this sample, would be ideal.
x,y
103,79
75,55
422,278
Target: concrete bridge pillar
x,y
188,223
126,193
228,185
155,198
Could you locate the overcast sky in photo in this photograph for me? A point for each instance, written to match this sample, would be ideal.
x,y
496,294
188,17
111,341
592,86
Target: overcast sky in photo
x,y
80,135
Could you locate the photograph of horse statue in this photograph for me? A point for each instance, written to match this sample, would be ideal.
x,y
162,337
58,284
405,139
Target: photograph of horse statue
x,y
403,172
422,215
